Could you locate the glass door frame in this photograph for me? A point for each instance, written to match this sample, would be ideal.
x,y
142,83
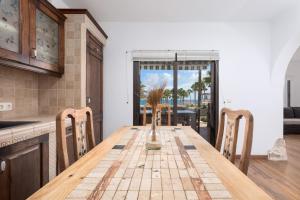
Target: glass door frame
x,y
213,110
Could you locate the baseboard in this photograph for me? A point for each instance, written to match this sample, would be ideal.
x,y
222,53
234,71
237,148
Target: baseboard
x,y
254,156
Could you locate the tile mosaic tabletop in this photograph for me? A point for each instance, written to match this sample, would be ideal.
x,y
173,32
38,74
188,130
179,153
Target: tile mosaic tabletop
x,y
177,171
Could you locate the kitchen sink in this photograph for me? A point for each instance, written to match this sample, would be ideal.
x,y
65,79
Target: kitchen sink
x,y
8,124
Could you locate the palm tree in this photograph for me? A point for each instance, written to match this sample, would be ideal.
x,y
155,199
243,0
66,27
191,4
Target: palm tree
x,y
207,81
167,94
190,91
185,94
195,88
182,94
142,91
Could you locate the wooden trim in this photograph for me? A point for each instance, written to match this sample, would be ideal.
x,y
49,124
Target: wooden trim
x,y
18,65
54,10
238,156
90,35
86,12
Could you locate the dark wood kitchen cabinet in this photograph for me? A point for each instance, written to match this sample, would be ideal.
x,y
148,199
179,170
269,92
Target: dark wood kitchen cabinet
x,y
24,168
14,29
94,77
32,36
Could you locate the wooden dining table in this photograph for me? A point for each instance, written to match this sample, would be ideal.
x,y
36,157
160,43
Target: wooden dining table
x,y
186,167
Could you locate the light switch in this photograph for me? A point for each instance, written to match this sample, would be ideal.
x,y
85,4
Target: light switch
x,y
5,106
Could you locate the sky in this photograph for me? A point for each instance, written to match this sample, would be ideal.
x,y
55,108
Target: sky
x,y
186,78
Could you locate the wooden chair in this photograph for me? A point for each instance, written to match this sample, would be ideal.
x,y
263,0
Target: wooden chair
x,y
159,109
232,127
81,140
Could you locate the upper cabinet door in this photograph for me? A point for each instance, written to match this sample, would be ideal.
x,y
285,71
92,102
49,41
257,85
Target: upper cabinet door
x,y
14,29
47,36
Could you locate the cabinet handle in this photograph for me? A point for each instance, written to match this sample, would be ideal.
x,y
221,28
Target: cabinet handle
x,y
2,166
88,100
97,50
33,53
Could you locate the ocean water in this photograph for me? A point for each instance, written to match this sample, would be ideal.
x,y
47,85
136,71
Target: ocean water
x,y
170,102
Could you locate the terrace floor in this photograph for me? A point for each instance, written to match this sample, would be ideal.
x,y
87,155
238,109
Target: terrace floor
x,y
281,180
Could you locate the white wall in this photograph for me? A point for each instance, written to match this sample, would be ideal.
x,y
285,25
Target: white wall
x,y
293,74
285,40
58,3
244,68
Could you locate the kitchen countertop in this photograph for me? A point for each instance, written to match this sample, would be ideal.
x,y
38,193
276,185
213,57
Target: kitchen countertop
x,y
42,125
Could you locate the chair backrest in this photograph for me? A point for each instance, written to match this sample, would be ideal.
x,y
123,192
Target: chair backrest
x,y
82,139
232,127
158,112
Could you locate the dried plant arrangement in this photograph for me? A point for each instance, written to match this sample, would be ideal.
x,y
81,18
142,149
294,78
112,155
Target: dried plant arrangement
x,y
153,99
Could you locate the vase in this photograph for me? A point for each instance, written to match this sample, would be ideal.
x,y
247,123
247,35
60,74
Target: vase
x,y
153,139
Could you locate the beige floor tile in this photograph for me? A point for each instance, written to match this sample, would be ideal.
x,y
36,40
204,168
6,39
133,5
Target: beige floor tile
x,y
135,184
124,184
176,183
166,184
156,195
114,183
120,195
179,195
132,195
191,195
168,195
108,195
146,184
156,184
144,195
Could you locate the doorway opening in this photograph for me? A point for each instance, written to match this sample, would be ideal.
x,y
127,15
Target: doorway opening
x,y
191,92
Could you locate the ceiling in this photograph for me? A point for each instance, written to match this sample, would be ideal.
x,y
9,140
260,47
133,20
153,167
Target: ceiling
x,y
183,10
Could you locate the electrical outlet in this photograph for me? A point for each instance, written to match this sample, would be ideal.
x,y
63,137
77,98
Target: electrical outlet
x,y
227,101
5,106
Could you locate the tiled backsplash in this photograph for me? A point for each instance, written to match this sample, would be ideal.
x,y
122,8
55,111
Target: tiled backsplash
x,y
55,94
19,87
34,94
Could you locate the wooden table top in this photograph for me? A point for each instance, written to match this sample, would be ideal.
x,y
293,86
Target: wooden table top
x,y
187,167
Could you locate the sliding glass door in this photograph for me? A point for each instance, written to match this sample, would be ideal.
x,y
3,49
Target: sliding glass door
x,y
191,92
153,74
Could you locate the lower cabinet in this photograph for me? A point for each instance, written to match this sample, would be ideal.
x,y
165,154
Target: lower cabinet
x,y
24,168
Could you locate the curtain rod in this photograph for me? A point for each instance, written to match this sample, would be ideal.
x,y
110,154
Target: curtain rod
x,y
169,50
